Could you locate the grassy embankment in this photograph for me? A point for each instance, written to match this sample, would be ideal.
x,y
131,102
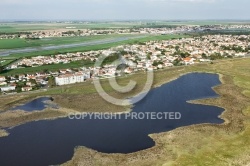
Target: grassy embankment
x,y
76,49
226,144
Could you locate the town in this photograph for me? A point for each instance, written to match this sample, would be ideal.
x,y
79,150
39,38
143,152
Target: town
x,y
124,83
73,32
148,56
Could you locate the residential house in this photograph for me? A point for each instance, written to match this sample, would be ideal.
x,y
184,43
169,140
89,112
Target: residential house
x,y
26,88
2,79
8,88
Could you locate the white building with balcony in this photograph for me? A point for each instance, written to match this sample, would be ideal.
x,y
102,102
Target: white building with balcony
x,y
72,78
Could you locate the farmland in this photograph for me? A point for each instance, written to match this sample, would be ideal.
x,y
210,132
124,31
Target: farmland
x,y
11,27
22,43
30,26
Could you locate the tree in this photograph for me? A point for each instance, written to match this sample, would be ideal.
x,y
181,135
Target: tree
x,y
184,55
204,55
45,71
216,56
155,63
52,82
177,48
33,81
1,68
177,62
148,56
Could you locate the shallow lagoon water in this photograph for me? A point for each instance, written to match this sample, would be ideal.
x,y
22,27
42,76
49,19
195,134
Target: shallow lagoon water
x,y
53,142
38,104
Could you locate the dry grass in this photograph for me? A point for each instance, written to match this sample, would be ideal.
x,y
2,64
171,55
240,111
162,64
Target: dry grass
x,y
14,118
226,144
3,133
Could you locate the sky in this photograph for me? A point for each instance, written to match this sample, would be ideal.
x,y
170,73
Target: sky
x,y
124,9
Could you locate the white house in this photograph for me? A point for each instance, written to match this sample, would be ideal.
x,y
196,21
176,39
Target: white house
x,y
2,79
72,78
26,89
7,88
3,83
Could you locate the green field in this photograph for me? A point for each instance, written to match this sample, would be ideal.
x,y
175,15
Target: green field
x,y
70,40
24,27
35,26
14,43
78,64
21,43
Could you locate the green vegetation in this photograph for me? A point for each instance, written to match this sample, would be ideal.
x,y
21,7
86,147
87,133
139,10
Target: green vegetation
x,y
52,67
226,144
15,43
235,48
21,43
35,26
26,26
1,68
31,26
100,46
221,32
51,82
77,64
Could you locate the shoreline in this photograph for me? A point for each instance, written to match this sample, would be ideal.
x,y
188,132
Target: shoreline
x,y
226,121
3,133
159,137
67,111
171,144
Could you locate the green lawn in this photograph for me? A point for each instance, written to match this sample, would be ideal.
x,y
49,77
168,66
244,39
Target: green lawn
x,y
15,43
6,62
21,43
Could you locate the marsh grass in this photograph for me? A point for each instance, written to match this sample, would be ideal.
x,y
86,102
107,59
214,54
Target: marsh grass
x,y
204,144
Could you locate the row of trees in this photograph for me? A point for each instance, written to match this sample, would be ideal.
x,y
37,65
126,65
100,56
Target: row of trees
x,y
235,48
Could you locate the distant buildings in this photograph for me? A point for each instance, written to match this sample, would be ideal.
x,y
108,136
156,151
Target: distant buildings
x,y
149,56
72,31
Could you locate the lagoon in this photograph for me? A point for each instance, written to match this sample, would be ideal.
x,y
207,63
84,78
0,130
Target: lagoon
x,y
52,142
38,104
